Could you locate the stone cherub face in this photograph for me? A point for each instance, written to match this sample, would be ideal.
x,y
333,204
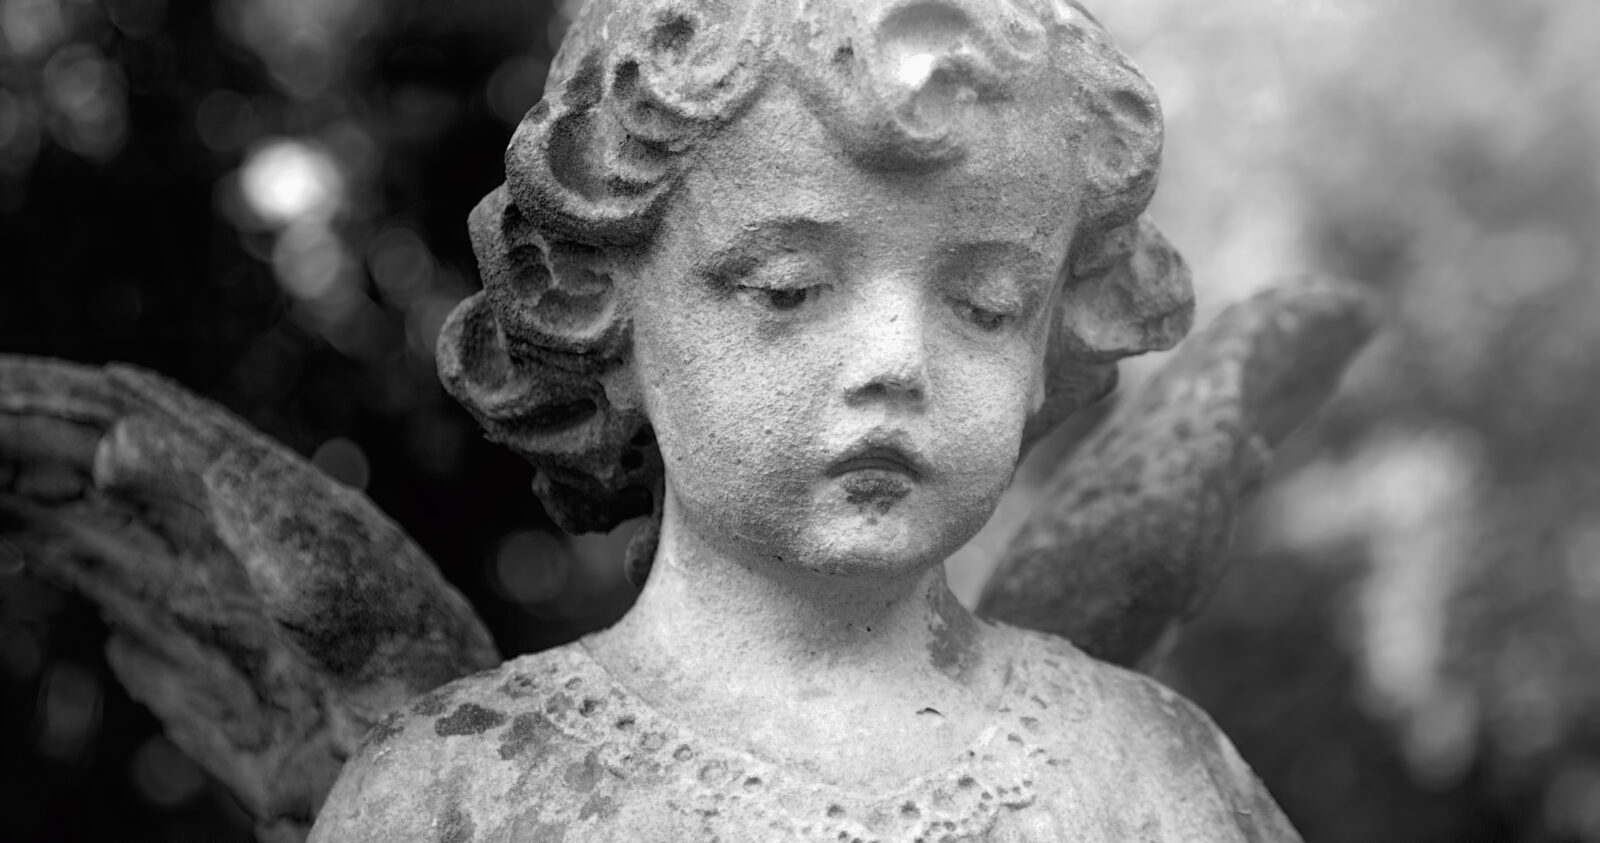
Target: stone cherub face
x,y
828,265
801,278
839,363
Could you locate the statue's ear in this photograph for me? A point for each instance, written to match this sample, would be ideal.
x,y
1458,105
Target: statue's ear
x,y
1126,291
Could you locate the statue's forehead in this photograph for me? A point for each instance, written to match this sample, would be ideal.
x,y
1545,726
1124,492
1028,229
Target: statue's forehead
x,y
778,161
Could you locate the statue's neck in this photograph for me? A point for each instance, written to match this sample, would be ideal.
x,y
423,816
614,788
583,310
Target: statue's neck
x,y
781,652
794,619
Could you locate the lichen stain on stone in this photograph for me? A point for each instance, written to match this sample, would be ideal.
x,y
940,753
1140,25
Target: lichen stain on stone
x,y
518,686
874,494
601,806
1185,751
1150,829
528,827
1133,464
432,704
558,704
383,730
528,731
456,827
951,647
469,719
583,776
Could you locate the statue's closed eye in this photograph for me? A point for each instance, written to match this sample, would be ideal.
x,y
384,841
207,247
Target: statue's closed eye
x,y
785,281
778,299
995,285
983,318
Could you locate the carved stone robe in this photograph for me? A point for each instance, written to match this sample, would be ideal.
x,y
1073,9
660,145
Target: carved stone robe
x,y
549,747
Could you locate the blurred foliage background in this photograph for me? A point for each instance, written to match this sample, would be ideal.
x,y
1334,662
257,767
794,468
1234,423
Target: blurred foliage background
x,y
266,200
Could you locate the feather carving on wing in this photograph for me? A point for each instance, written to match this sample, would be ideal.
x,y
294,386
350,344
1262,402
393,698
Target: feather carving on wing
x,y
267,614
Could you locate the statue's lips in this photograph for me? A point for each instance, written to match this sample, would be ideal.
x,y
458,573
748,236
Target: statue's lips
x,y
877,458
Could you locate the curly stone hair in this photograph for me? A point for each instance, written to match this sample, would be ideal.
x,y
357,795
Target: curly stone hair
x,y
540,355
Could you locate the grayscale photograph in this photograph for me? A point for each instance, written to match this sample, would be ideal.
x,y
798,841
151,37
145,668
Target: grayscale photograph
x,y
850,421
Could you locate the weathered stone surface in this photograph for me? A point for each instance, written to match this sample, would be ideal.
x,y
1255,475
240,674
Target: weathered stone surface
x,y
267,614
801,280
1131,533
900,90
552,747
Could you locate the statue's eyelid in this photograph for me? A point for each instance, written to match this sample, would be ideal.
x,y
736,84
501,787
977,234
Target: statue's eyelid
x,y
996,291
996,276
984,318
740,267
762,241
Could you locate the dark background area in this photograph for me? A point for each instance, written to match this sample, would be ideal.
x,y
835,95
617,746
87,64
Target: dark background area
x,y
266,200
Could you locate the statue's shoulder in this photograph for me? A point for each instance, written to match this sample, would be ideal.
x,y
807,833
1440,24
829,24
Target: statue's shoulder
x,y
1095,696
526,749
1144,746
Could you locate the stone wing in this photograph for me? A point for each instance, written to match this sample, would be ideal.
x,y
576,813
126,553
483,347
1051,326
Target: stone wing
x,y
267,614
1130,534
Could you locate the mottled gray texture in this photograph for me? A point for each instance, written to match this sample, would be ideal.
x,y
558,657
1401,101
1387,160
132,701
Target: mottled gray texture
x,y
1075,750
267,614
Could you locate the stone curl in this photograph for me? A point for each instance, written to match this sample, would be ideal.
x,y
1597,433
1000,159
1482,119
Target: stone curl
x,y
540,355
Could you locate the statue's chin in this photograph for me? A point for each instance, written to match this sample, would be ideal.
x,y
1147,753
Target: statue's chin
x,y
870,542
867,524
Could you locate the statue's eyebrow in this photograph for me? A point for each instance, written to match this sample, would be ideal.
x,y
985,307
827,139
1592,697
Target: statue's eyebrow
x,y
1001,252
768,237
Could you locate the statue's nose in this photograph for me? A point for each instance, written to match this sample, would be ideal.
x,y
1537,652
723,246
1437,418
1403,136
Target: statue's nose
x,y
885,357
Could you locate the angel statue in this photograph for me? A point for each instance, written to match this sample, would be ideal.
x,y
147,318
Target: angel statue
x,y
801,280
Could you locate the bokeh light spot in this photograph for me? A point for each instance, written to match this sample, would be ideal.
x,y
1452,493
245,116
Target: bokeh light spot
x,y
164,775
85,92
401,264
286,180
30,27
69,711
1572,805
310,262
344,461
516,86
424,321
356,326
530,566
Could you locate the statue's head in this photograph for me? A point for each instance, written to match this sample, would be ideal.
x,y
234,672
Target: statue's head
x,y
827,264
